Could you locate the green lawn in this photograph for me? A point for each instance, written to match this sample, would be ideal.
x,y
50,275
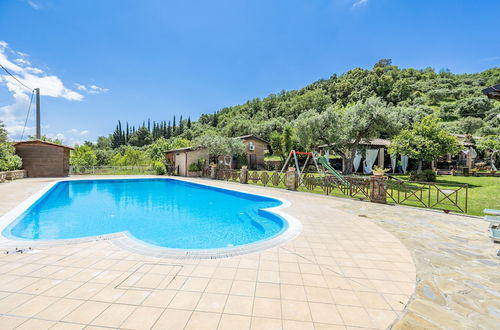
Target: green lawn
x,y
484,192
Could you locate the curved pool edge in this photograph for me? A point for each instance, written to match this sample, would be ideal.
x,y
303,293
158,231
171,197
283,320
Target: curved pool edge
x,y
128,242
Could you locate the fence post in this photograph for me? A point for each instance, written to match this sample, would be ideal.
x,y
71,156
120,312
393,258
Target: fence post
x,y
244,175
378,189
291,180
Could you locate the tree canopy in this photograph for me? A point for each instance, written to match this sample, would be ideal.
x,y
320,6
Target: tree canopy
x,y
425,140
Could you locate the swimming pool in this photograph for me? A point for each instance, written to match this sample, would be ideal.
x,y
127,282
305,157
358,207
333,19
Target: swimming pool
x,y
165,213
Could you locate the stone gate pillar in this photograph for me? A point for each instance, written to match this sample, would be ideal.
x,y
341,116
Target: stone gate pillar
x,y
244,175
378,189
213,172
291,179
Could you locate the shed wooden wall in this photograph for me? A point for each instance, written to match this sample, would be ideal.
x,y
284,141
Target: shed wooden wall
x,y
42,160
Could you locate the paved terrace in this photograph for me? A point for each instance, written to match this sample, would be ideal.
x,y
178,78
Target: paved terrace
x,y
352,267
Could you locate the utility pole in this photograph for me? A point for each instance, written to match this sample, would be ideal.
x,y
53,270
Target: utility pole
x,y
38,130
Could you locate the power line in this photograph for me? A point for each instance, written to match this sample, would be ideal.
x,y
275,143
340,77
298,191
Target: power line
x,y
5,69
27,115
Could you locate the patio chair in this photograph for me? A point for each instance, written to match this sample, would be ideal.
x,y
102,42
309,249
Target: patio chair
x,y
493,216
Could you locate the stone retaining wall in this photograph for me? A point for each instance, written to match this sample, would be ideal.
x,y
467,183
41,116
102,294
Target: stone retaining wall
x,y
12,175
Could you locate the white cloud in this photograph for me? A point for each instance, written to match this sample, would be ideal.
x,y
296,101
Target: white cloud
x,y
91,89
13,115
34,5
80,87
22,61
78,132
359,3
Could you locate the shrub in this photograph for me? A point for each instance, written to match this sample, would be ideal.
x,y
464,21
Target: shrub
x,y
424,176
8,160
194,167
159,168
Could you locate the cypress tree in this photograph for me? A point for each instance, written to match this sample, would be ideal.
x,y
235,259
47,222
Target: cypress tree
x,y
174,128
169,131
181,126
189,123
127,134
215,120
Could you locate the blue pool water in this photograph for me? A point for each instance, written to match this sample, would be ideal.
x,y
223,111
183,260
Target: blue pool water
x,y
163,212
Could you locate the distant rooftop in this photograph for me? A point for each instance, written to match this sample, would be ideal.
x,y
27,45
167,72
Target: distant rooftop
x,y
251,136
492,92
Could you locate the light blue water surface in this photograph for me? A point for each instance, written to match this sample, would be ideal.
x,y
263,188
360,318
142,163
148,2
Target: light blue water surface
x,y
164,212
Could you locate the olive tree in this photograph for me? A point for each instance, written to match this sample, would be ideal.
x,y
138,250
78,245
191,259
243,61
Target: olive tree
x,y
218,146
342,129
490,143
425,140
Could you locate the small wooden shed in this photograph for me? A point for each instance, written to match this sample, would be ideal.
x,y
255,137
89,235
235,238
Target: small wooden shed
x,y
43,159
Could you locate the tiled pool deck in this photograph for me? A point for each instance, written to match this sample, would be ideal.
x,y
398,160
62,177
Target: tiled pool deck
x,y
352,267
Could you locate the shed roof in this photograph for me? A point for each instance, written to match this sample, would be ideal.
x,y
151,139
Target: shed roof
x,y
42,142
180,149
251,136
492,92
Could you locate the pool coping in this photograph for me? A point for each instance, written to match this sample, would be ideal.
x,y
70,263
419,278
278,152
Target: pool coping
x,y
127,241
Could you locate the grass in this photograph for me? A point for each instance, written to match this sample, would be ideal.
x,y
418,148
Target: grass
x,y
484,192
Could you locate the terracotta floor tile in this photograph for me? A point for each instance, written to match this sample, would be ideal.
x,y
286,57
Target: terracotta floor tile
x,y
262,323
133,297
59,309
212,302
67,326
12,301
172,319
108,294
265,307
203,321
11,322
243,288
355,316
293,292
297,325
219,286
86,291
325,313
36,324
62,289
373,300
382,319
195,284
114,315
243,274
86,312
267,290
185,300
315,294
295,310
345,297
232,322
239,305
142,318
160,298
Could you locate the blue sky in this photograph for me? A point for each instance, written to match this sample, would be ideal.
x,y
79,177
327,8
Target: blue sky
x,y
132,60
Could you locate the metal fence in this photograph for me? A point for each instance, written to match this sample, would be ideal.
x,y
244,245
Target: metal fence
x,y
440,196
110,170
